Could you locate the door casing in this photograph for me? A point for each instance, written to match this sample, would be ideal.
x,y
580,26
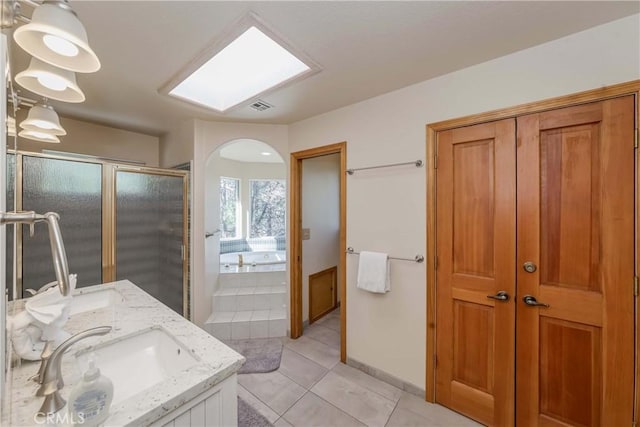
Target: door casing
x,y
629,88
295,251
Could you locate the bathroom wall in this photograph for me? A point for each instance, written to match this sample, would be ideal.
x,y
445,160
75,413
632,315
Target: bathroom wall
x,y
176,147
209,136
98,140
321,214
386,208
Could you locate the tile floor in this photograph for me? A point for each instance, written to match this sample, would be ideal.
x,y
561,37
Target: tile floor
x,y
312,388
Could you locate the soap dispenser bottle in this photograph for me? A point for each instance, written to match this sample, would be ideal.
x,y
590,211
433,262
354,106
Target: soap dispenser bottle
x,y
90,400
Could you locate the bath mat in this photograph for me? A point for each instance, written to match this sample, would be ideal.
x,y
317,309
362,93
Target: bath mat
x,y
262,354
249,417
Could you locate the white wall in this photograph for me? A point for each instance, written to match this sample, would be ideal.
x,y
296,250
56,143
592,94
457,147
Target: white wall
x,y
176,147
386,207
98,140
321,214
208,137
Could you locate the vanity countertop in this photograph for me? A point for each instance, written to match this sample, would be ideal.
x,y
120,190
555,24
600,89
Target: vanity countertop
x,y
137,312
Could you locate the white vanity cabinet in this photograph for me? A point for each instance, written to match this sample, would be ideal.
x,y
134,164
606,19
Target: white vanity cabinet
x,y
216,407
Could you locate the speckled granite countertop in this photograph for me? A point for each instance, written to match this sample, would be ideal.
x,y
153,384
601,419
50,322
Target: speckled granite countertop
x,y
137,312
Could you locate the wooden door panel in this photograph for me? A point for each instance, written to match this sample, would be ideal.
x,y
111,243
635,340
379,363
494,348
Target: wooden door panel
x,y
570,388
476,253
575,222
473,201
322,293
570,202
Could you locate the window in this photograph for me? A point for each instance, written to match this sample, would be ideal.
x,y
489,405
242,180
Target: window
x,y
267,206
229,206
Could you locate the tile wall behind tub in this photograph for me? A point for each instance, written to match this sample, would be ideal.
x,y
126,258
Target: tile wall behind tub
x,y
253,244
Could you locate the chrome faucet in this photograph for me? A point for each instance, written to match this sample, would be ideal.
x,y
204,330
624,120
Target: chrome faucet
x,y
58,253
52,380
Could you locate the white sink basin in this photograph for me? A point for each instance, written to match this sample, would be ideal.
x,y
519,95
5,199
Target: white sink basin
x,y
139,361
95,300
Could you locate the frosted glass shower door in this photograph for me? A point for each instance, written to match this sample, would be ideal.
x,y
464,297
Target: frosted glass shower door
x,y
73,189
11,183
150,230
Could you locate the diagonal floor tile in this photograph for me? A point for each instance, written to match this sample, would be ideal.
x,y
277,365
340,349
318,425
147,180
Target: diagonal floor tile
x,y
312,411
367,381
272,388
320,353
324,335
257,404
331,322
300,369
411,408
361,403
282,423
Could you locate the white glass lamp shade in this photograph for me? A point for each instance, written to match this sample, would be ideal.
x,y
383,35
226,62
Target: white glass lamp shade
x,y
39,136
11,126
56,36
43,118
50,82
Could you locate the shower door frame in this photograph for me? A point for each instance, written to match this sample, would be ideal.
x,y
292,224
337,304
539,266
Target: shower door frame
x,y
109,170
110,229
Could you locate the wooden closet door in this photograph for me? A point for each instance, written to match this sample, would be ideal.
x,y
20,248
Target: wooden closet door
x,y
475,219
575,358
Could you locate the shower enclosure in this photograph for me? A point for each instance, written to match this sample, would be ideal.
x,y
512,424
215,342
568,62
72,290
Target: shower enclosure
x,y
118,222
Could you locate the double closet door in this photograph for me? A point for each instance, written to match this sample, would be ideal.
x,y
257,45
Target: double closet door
x,y
535,249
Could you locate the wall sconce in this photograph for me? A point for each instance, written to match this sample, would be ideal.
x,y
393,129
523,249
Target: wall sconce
x,y
50,82
43,118
55,35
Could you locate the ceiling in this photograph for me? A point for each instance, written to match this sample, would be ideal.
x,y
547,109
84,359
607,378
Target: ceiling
x,y
364,49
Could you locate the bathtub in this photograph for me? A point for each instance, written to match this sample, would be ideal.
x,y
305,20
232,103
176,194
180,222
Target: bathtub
x,y
254,258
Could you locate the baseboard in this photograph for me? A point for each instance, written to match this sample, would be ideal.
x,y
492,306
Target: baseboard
x,y
387,378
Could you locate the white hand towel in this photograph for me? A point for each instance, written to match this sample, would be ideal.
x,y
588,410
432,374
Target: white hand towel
x,y
373,272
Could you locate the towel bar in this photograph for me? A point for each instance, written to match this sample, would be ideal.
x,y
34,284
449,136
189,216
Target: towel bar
x,y
416,163
419,258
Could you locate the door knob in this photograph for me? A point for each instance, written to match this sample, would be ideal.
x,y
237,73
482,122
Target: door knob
x,y
532,301
500,296
529,267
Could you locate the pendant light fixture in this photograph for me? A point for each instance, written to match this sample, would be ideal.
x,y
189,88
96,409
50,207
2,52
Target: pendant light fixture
x,y
50,82
56,36
39,136
43,118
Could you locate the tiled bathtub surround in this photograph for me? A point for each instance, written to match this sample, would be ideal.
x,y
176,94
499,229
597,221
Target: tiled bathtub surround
x,y
253,244
249,305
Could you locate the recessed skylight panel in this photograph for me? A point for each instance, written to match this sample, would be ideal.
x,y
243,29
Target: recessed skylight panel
x,y
250,65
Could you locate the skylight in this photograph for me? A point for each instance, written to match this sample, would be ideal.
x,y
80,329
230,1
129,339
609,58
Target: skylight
x,y
250,65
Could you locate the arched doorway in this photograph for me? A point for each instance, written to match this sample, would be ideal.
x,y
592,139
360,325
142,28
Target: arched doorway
x,y
245,243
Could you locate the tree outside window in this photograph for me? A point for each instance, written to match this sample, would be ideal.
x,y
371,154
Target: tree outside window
x,y
229,201
268,201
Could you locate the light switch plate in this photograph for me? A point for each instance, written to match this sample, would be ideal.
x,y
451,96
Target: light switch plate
x,y
306,233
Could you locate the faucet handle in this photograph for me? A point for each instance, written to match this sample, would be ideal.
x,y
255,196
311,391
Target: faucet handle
x,y
31,229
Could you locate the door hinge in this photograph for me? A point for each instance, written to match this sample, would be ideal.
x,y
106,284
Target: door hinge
x,y
635,144
635,286
634,424
435,161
